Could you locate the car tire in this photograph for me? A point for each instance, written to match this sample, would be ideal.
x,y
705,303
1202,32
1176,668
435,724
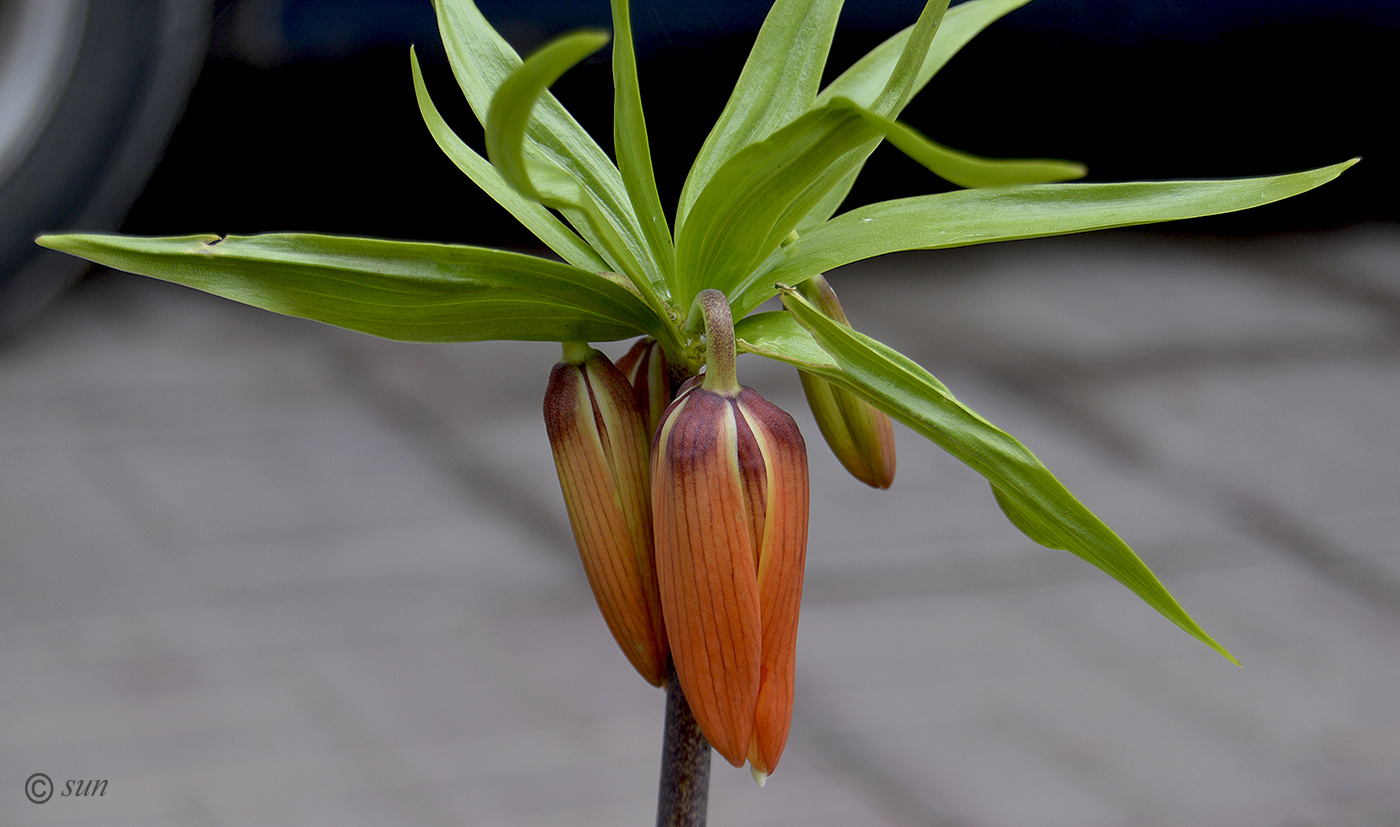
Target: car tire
x,y
90,91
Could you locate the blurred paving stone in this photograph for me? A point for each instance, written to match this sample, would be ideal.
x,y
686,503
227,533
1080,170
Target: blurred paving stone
x,y
256,570
1308,445
66,550
1363,256
1084,698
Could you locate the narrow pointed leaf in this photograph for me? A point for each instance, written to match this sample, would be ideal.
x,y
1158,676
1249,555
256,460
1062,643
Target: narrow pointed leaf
x,y
631,145
767,189
900,86
514,101
538,220
480,58
777,335
867,77
395,289
778,83
979,216
900,82
964,169
1044,510
554,186
1025,521
760,194
481,61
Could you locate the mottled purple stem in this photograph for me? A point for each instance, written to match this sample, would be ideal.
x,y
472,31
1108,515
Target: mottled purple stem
x,y
685,763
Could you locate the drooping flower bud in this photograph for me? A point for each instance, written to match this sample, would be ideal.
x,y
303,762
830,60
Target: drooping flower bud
x,y
600,452
860,435
646,368
730,504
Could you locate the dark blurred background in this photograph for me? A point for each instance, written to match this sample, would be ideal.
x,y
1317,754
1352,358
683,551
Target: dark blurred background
x,y
303,116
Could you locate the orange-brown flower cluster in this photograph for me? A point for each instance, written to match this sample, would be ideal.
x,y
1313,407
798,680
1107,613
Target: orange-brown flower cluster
x,y
690,515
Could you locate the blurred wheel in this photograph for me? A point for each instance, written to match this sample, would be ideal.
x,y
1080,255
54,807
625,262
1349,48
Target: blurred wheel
x,y
90,91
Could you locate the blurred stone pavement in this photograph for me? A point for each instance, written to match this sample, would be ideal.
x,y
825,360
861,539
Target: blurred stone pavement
x,y
258,571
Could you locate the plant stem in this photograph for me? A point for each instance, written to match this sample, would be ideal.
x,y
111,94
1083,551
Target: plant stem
x,y
712,308
685,763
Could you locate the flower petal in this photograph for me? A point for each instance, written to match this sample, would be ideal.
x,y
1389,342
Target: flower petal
x,y
782,556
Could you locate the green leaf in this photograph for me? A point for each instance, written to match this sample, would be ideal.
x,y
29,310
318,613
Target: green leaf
x,y
395,289
1032,497
778,83
540,179
900,86
979,216
631,144
764,191
868,77
481,60
1024,521
964,169
538,220
777,335
760,194
510,113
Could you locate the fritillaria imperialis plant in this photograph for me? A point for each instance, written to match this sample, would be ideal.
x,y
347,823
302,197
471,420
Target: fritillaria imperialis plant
x,y
687,492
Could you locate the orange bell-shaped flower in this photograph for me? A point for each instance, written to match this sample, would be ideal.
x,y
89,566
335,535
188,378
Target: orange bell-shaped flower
x,y
730,506
600,451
